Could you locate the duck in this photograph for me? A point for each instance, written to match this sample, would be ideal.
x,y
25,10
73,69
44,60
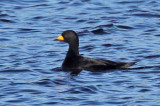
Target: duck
x,y
75,61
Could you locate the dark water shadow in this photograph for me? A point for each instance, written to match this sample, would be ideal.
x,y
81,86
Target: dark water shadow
x,y
15,71
76,72
73,72
144,67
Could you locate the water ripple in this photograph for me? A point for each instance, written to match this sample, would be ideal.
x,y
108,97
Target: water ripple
x,y
123,30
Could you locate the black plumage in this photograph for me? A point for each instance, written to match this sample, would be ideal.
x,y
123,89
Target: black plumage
x,y
74,61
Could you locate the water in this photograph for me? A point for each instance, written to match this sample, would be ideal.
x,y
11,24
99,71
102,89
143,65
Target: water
x,y
118,30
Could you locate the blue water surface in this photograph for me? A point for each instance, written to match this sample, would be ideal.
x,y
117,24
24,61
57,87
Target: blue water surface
x,y
118,30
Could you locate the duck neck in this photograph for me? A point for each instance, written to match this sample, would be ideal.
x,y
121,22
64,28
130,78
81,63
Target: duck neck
x,y
73,50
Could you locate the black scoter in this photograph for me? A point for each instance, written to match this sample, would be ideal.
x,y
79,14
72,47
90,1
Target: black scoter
x,y
74,61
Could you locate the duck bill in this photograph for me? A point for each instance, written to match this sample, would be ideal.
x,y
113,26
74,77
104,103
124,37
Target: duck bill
x,y
60,38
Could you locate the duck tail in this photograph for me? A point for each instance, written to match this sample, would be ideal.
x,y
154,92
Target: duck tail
x,y
126,65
